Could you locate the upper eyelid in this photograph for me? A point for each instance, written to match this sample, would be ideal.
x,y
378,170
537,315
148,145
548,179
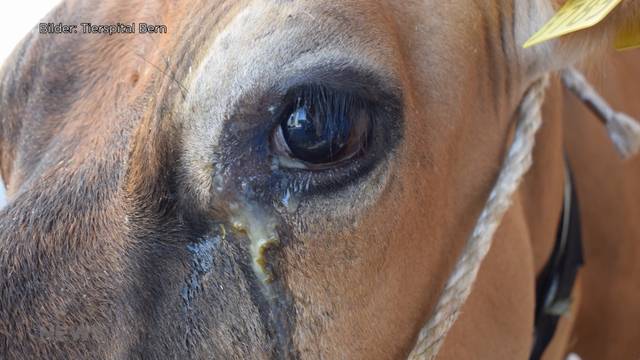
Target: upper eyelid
x,y
269,100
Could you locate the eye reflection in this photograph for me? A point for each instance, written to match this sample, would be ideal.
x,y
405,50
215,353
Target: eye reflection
x,y
323,127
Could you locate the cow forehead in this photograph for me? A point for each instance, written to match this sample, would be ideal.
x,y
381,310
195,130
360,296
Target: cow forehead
x,y
268,43
267,40
274,43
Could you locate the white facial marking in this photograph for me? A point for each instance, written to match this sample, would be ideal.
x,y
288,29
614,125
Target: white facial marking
x,y
530,16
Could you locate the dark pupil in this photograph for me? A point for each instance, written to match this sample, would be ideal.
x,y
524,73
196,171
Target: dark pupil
x,y
318,131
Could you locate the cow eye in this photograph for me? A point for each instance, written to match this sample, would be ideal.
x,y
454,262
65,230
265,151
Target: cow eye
x,y
321,126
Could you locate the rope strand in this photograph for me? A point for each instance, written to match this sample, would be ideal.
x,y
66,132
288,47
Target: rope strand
x,y
623,130
458,287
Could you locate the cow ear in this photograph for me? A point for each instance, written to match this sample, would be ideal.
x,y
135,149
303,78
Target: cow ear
x,y
557,33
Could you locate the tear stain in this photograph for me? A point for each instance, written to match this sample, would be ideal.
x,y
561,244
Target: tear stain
x,y
290,202
260,228
201,264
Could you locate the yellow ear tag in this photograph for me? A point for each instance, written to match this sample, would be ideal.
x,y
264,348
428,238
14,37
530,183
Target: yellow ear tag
x,y
573,16
629,36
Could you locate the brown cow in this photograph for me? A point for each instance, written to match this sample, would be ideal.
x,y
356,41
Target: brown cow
x,y
159,207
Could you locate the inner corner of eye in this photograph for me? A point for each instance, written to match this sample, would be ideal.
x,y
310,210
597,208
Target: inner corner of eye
x,y
321,126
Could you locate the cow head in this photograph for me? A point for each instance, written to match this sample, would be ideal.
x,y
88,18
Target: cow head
x,y
271,179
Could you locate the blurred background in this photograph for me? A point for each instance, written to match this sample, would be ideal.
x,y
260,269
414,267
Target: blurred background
x,y
17,18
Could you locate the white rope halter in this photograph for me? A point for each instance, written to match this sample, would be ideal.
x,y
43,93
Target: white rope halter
x,y
626,136
458,287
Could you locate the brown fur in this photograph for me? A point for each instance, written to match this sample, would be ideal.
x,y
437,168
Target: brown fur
x,y
110,147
